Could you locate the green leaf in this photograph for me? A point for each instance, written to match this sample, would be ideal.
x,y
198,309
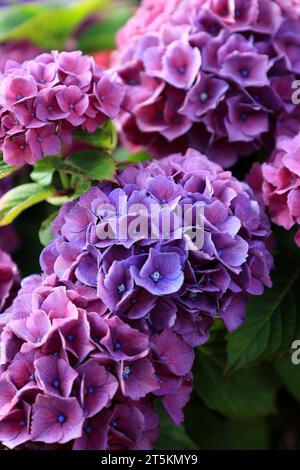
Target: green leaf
x,y
15,201
48,25
246,395
45,233
91,164
5,169
210,431
105,137
101,36
15,16
171,437
122,155
43,170
289,374
271,319
82,187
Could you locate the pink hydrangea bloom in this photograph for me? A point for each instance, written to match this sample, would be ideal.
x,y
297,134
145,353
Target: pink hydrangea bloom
x,y
43,101
214,75
279,182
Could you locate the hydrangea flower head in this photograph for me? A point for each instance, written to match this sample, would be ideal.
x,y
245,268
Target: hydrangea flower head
x,y
43,101
208,74
129,268
109,329
278,183
64,379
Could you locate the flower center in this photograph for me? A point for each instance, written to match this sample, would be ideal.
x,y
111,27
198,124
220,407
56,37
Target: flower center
x,y
90,390
181,70
56,383
156,276
117,346
70,338
121,288
193,295
62,419
245,72
212,29
89,429
203,97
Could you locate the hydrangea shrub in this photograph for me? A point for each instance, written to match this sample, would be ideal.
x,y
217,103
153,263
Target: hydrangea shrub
x,y
155,277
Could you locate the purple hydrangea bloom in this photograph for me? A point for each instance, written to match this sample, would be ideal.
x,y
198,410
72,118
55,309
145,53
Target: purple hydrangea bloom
x,y
135,273
206,74
43,101
109,329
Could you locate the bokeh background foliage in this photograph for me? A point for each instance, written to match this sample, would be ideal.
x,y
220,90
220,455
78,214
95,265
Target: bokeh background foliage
x,y
247,392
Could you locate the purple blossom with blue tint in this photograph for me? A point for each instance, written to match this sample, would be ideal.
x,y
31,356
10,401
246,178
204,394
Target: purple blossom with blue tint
x,y
204,74
109,329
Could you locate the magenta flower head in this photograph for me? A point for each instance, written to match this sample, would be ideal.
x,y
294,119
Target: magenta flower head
x,y
43,101
278,183
206,74
72,372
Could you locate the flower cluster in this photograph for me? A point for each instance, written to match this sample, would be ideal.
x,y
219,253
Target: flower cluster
x,y
74,376
214,75
9,279
42,102
110,328
167,270
278,182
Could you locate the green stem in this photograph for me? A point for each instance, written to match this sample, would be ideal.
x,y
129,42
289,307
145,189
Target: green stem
x,y
74,181
65,180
